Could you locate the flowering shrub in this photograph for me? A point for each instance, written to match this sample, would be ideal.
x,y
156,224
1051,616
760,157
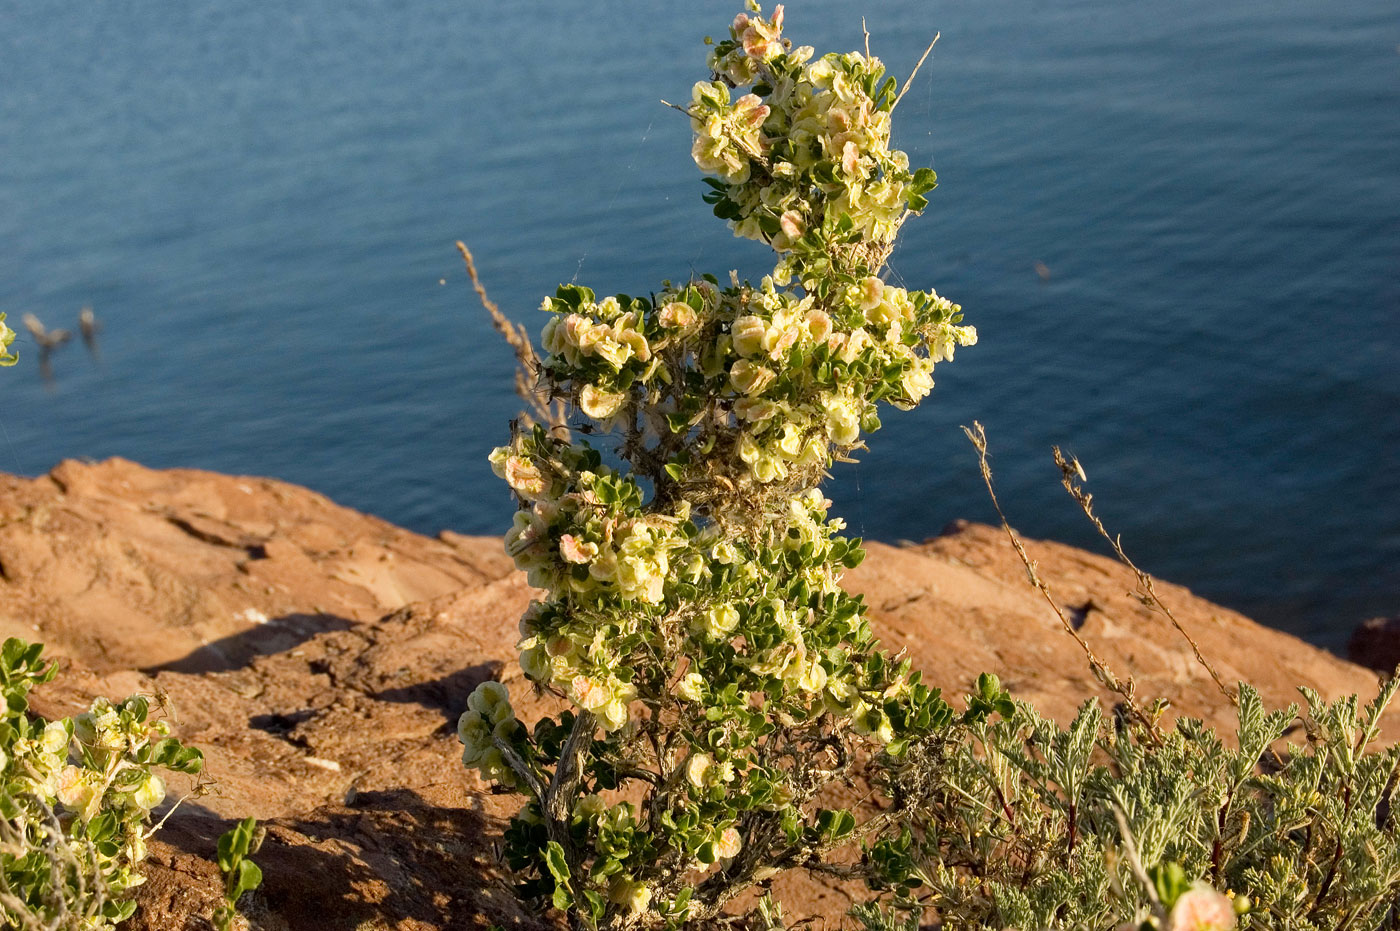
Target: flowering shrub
x,y
720,677
75,801
721,681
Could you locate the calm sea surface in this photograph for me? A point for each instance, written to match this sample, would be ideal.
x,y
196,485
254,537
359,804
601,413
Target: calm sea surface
x,y
260,201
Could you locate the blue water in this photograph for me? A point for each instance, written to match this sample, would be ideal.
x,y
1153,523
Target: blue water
x,y
260,201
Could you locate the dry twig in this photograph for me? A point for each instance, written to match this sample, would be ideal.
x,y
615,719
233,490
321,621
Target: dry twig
x,y
1070,470
910,79
527,375
978,437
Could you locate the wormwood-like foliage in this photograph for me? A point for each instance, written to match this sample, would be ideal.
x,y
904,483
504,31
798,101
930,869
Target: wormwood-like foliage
x,y
75,802
721,679
1025,824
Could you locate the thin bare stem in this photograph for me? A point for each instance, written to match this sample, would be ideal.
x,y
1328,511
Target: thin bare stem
x,y
867,38
527,375
978,437
910,79
1071,474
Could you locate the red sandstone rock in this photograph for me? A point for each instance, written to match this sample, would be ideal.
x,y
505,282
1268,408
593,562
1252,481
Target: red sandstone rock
x,y
320,657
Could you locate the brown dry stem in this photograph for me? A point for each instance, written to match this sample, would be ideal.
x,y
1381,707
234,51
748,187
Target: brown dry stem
x,y
1070,471
978,437
527,374
910,80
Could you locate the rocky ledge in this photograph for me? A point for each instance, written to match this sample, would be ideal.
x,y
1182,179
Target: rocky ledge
x,y
320,657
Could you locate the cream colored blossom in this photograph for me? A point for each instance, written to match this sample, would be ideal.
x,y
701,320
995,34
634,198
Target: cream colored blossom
x,y
729,844
818,325
719,620
633,895
590,806
748,333
842,419
756,410
697,769
691,687
748,378
725,553
677,315
150,793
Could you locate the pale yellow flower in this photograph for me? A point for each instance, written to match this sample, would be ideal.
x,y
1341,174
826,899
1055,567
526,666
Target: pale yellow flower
x,y
729,844
633,895
748,334
599,403
691,687
748,378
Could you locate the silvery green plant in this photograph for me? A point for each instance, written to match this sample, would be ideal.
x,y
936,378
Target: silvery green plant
x,y
76,796
721,680
1109,824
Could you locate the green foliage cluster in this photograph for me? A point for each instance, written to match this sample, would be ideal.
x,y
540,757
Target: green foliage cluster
x,y
75,801
1109,823
241,874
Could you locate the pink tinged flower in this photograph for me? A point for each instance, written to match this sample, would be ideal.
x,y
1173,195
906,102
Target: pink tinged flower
x,y
750,111
756,44
729,844
72,789
1201,908
850,158
818,325
574,328
755,410
677,315
524,476
792,224
780,341
590,694
741,22
575,551
750,379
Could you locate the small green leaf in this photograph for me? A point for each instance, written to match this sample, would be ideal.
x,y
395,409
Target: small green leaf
x,y
557,863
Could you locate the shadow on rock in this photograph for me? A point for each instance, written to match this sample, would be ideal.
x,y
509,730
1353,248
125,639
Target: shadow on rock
x,y
236,650
390,861
447,694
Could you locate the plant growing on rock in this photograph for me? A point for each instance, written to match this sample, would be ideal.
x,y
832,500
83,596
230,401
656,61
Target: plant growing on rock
x,y
725,691
722,682
1104,824
75,801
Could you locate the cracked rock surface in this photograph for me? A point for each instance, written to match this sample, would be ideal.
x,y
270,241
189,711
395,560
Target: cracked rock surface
x,y
320,658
